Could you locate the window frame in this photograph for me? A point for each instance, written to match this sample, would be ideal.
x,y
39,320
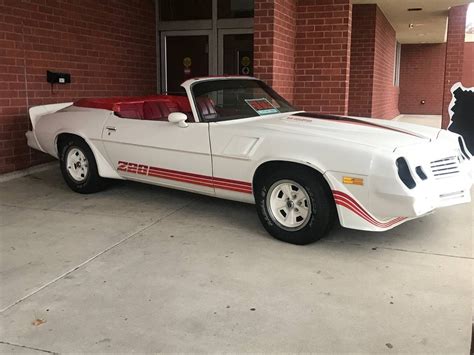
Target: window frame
x,y
214,25
264,87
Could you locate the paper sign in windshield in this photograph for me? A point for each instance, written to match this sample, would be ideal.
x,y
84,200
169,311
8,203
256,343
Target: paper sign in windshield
x,y
262,106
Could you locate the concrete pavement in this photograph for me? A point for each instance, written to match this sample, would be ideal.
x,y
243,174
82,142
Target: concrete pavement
x,y
139,268
426,120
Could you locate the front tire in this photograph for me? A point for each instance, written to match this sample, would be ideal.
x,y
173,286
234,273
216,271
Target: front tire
x,y
79,168
295,206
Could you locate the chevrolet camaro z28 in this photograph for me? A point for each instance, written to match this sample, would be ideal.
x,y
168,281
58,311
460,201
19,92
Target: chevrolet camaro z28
x,y
235,138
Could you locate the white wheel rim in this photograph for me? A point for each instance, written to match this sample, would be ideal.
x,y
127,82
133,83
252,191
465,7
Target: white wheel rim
x,y
289,205
77,165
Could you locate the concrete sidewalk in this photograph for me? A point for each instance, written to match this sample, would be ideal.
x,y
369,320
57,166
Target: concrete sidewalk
x,y
139,268
425,120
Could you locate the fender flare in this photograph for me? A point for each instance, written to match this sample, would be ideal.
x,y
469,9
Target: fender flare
x,y
302,162
104,168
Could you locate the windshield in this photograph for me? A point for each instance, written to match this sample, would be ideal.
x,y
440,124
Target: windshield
x,y
222,100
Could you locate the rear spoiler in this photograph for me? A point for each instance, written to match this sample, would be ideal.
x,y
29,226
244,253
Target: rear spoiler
x,y
37,111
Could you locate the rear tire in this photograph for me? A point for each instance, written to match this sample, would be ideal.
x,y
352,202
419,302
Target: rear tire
x,y
78,166
295,205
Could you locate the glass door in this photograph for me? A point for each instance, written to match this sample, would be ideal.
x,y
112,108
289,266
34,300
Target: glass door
x,y
235,47
184,55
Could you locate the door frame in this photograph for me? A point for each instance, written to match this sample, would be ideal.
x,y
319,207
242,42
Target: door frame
x,y
220,44
164,64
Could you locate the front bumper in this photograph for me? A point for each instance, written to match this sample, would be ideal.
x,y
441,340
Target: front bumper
x,y
424,198
448,180
384,201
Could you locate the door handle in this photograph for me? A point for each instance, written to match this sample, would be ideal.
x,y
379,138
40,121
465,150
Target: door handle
x,y
110,129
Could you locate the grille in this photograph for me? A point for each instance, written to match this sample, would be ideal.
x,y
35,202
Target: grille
x,y
446,167
452,195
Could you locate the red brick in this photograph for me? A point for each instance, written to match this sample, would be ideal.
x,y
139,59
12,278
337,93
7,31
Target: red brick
x,y
454,55
422,78
372,92
303,40
99,48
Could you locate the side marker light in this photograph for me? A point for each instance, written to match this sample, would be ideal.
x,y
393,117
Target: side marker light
x,y
352,181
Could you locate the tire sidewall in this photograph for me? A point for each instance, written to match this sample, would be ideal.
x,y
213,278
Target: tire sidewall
x,y
319,220
88,184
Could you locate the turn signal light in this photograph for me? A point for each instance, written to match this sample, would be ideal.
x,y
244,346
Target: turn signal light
x,y
352,181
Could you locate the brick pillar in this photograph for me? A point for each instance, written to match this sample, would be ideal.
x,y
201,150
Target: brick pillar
x,y
323,37
454,55
373,48
274,44
302,49
361,82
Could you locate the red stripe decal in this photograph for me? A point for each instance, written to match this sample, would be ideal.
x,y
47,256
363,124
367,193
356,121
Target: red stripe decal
x,y
350,120
362,123
191,178
350,203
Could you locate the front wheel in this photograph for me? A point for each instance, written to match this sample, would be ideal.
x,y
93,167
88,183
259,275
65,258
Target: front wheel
x,y
79,168
295,206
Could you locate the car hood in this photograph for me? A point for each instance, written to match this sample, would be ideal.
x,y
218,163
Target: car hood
x,y
371,132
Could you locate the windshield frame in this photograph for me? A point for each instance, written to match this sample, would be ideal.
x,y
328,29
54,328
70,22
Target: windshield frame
x,y
264,87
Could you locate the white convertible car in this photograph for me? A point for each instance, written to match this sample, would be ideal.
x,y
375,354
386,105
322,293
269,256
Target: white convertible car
x,y
235,138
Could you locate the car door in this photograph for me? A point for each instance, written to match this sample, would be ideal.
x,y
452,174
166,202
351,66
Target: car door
x,y
160,152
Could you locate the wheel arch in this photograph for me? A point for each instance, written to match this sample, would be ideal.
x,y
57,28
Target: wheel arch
x,y
298,169
104,168
270,165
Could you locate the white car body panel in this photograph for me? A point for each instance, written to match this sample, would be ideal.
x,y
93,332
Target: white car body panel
x,y
221,158
161,145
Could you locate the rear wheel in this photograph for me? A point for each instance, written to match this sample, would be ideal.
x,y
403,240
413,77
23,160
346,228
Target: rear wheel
x,y
295,205
78,166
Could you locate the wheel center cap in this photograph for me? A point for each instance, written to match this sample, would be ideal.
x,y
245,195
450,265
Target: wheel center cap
x,y
290,204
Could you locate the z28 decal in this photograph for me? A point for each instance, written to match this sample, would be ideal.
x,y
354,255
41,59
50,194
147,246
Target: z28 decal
x,y
190,178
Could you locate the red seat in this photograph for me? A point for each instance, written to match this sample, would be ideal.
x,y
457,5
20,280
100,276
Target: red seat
x,y
158,110
129,110
182,102
152,107
206,106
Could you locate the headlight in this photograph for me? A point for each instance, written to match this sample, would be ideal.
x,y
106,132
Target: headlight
x,y
404,173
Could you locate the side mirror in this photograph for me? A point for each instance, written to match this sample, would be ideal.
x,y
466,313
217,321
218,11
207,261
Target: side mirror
x,y
179,118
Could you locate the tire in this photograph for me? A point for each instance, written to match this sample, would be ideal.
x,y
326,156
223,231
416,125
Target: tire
x,y
78,166
301,220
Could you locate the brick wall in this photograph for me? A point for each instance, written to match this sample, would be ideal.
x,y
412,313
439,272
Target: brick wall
x,y
372,91
453,71
422,78
323,55
468,68
307,60
362,60
108,47
274,44
385,96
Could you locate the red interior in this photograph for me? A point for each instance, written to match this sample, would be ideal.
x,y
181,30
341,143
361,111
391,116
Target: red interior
x,y
207,107
154,107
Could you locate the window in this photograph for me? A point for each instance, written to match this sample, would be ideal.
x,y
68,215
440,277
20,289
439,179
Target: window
x,y
235,8
396,74
221,100
179,10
